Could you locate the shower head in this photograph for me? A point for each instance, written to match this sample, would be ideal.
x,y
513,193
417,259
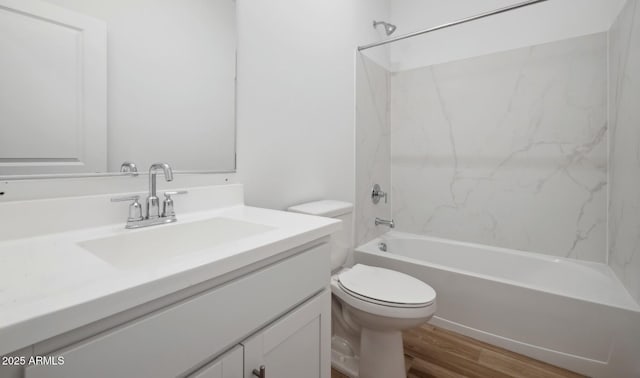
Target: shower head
x,y
388,28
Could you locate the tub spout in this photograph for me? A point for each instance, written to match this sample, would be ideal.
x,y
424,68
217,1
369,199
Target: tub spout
x,y
384,222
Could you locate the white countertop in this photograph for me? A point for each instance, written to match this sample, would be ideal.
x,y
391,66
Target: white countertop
x,y
50,285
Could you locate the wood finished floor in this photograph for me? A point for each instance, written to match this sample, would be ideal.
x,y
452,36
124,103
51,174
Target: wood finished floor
x,y
435,352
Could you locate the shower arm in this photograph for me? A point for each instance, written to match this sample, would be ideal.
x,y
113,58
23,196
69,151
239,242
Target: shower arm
x,y
454,23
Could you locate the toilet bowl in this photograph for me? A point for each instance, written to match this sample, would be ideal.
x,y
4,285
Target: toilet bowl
x,y
371,306
382,303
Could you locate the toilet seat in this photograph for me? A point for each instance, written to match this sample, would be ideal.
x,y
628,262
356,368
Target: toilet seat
x,y
386,287
380,302
384,292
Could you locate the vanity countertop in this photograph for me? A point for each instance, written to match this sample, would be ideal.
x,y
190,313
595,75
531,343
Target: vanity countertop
x,y
50,284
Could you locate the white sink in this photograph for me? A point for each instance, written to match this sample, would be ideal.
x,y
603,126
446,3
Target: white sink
x,y
157,244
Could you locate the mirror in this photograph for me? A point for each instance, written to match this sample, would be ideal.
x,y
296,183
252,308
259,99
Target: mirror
x,y
86,85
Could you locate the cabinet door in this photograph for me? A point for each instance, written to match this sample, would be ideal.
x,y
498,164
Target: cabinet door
x,y
230,365
296,345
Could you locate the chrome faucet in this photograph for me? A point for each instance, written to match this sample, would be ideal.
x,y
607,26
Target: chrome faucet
x,y
129,167
153,202
384,222
152,214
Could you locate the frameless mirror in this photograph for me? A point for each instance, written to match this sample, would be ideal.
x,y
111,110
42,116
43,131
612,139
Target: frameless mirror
x,y
88,84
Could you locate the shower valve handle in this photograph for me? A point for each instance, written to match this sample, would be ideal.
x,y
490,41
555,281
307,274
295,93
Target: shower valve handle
x,y
262,373
377,193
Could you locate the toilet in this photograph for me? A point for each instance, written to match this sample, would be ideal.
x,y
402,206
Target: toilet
x,y
371,306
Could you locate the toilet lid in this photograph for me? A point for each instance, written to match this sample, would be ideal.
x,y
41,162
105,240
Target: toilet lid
x,y
386,285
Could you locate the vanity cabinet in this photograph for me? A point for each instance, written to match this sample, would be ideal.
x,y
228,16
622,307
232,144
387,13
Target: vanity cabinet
x,y
295,346
229,365
277,316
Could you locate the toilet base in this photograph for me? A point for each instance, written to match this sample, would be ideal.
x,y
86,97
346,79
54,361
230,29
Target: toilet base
x,y
381,354
343,357
345,364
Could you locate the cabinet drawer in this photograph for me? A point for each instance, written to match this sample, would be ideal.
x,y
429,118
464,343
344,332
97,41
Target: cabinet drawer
x,y
170,341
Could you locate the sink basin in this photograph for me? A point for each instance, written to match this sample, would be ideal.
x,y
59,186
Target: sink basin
x,y
158,244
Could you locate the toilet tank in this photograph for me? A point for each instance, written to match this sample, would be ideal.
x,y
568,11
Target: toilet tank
x,y
342,241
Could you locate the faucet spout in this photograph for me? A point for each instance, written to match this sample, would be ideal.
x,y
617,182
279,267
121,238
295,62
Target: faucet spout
x,y
153,203
166,168
168,175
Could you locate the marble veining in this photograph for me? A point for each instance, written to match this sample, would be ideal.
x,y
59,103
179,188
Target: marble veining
x,y
507,149
624,165
373,144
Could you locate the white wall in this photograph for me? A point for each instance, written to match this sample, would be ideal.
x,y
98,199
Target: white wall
x,y
541,23
296,101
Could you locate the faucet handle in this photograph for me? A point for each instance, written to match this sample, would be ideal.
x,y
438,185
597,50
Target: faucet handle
x,y
167,204
135,209
174,193
133,197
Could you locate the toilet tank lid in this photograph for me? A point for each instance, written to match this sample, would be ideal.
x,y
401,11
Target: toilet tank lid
x,y
324,208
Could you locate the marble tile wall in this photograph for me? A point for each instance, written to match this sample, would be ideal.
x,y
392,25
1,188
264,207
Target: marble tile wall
x,y
373,157
624,164
507,149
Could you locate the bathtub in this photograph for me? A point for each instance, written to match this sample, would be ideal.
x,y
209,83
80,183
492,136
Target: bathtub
x,y
568,313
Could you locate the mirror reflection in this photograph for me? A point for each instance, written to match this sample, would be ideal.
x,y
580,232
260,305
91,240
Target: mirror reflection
x,y
86,85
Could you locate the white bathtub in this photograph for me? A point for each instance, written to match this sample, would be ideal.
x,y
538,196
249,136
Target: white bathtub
x,y
566,312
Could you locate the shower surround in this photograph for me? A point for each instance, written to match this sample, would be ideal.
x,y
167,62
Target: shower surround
x,y
373,155
507,149
535,149
624,165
